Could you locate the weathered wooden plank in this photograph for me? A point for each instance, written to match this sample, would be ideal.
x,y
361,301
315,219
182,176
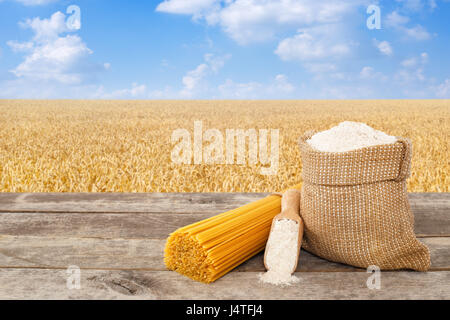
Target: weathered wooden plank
x,y
45,252
147,254
125,202
162,202
439,252
98,284
431,213
98,225
152,225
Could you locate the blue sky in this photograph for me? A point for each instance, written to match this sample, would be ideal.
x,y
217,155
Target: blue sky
x,y
232,49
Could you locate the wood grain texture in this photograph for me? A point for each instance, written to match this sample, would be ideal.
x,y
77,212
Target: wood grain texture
x,y
125,202
132,254
147,225
118,240
162,202
432,218
99,284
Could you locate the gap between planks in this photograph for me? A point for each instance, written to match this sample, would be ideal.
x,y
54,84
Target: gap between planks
x,y
160,202
59,253
150,225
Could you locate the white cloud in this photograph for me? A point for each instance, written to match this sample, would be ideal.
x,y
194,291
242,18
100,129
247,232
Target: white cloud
x,y
334,92
254,21
282,84
55,62
415,61
408,77
417,5
46,29
339,76
432,4
418,33
279,87
21,88
398,22
424,57
247,21
394,19
412,77
193,78
366,72
51,56
318,28
165,93
408,63
383,46
312,44
233,90
370,73
136,91
443,90
320,67
20,46
192,7
216,63
193,81
35,2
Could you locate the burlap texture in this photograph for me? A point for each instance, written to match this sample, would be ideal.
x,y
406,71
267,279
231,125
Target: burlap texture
x,y
355,206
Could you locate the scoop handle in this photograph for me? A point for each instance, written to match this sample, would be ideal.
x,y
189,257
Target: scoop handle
x,y
290,204
290,209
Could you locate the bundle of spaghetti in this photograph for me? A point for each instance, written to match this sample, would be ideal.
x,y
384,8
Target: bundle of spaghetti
x,y
208,249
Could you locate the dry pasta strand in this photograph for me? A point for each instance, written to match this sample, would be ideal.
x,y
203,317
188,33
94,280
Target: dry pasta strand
x,y
208,249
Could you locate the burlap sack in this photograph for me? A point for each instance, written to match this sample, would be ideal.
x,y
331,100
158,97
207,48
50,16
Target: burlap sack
x,y
355,207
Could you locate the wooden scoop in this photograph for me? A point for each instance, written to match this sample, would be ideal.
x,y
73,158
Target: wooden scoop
x,y
290,209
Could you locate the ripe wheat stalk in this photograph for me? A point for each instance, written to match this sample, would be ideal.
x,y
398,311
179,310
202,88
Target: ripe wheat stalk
x,y
125,146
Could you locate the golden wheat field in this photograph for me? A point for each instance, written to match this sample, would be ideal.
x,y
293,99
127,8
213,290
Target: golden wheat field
x,y
125,146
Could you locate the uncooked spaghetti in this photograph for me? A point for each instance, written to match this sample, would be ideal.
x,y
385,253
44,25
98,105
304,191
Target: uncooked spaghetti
x,y
206,250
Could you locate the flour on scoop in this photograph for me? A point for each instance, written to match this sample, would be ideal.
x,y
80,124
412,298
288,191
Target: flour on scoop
x,y
282,254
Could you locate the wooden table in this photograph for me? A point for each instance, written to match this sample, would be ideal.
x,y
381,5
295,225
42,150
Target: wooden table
x,y
117,241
